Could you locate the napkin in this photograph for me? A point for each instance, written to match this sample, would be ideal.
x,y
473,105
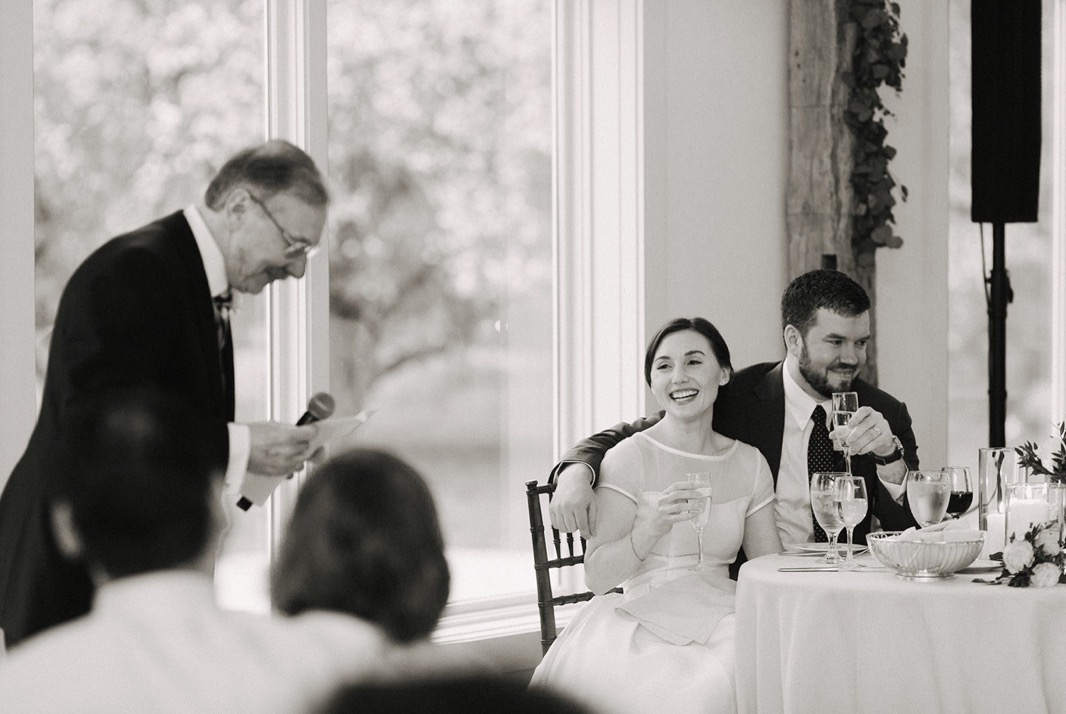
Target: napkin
x,y
683,610
944,532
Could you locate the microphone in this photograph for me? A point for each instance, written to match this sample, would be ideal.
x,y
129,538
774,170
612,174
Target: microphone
x,y
320,406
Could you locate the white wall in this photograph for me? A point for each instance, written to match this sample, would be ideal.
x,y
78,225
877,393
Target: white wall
x,y
18,403
716,168
912,282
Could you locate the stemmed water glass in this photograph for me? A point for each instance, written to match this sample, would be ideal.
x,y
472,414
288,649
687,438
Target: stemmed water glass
x,y
927,495
845,404
826,507
961,490
851,491
702,484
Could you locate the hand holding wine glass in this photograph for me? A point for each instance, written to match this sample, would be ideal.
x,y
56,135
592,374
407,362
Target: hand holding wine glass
x,y
927,495
961,490
851,491
826,507
701,480
845,404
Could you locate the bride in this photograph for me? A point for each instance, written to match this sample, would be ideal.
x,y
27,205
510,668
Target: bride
x,y
666,642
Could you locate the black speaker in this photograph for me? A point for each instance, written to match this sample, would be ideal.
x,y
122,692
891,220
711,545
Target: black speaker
x,y
1005,159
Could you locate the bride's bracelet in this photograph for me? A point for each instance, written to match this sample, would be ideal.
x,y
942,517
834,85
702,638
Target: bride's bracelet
x,y
633,546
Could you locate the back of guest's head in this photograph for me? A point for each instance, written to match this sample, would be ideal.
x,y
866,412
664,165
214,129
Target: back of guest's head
x,y
473,694
364,539
818,289
269,168
137,473
697,324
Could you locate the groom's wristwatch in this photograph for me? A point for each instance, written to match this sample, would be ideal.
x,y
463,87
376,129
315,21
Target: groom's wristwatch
x,y
892,458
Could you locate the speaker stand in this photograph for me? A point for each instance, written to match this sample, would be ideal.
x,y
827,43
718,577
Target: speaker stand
x,y
1000,295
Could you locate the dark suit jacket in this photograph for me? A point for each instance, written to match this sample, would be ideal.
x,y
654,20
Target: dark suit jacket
x,y
751,408
136,311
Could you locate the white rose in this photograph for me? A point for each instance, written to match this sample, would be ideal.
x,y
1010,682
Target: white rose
x,y
1018,556
1048,540
1045,575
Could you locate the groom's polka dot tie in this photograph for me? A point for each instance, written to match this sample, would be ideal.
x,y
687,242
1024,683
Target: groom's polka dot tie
x,y
819,458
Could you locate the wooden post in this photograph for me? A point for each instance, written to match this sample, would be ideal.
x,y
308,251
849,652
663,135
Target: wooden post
x,y
821,148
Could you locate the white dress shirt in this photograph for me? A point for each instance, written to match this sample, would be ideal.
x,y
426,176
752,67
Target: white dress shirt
x,y
158,643
793,508
215,266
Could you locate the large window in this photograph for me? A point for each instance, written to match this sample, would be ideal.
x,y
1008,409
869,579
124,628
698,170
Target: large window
x,y
440,263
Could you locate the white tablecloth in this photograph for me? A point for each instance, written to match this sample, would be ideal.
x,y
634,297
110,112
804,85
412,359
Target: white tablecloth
x,y
873,642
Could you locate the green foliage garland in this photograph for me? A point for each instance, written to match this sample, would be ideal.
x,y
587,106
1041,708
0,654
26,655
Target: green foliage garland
x,y
879,57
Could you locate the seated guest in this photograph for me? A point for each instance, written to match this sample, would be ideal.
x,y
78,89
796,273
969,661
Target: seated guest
x,y
364,540
666,642
138,480
474,694
774,406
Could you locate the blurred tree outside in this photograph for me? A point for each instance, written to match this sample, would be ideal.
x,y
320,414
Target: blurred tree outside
x,y
440,255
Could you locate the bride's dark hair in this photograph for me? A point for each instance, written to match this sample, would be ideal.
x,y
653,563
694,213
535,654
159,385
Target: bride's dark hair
x,y
697,324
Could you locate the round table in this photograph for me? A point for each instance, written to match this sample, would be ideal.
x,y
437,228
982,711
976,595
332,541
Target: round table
x,y
869,641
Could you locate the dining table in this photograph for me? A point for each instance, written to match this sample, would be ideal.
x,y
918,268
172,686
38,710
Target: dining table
x,y
866,640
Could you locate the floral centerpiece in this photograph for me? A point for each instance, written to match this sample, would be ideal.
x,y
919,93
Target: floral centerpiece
x,y
1036,559
1030,459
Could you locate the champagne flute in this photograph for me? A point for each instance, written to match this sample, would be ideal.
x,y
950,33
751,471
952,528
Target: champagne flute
x,y
826,509
851,491
702,483
927,496
845,404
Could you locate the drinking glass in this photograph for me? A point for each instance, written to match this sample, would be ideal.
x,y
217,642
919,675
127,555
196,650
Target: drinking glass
x,y
961,490
845,404
702,483
826,507
851,492
927,495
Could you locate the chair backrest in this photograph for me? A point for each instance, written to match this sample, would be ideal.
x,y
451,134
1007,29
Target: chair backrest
x,y
567,550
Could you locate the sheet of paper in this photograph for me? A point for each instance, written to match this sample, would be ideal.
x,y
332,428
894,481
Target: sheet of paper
x,y
257,488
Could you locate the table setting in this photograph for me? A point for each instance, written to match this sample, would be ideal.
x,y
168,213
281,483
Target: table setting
x,y
959,614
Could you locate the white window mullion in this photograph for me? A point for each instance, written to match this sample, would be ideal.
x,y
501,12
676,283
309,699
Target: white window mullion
x,y
17,382
296,111
599,215
1058,213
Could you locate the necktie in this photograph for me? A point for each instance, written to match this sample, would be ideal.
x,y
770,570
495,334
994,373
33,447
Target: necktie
x,y
819,458
223,304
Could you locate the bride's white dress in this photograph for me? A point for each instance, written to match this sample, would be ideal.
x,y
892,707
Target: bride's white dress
x,y
666,643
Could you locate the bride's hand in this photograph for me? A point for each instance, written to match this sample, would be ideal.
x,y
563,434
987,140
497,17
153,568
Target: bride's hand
x,y
679,502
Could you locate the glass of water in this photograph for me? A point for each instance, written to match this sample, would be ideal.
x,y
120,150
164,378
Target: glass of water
x,y
928,493
851,491
826,507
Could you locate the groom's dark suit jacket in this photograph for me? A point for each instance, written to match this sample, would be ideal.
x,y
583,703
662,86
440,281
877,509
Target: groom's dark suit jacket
x,y
751,408
138,311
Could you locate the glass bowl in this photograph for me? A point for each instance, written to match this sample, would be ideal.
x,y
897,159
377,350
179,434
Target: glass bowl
x,y
939,556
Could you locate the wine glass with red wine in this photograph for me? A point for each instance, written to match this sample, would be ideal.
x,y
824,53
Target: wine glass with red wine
x,y
961,490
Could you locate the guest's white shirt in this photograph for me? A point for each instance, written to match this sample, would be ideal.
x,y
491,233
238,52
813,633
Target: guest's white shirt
x,y
158,643
793,507
240,445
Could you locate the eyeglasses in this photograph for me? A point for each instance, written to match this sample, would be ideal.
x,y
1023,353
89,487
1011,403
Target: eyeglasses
x,y
296,245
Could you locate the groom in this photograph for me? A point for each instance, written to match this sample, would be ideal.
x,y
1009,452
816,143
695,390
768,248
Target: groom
x,y
825,318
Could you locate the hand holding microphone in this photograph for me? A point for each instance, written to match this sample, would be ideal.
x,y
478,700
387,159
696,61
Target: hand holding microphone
x,y
280,450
